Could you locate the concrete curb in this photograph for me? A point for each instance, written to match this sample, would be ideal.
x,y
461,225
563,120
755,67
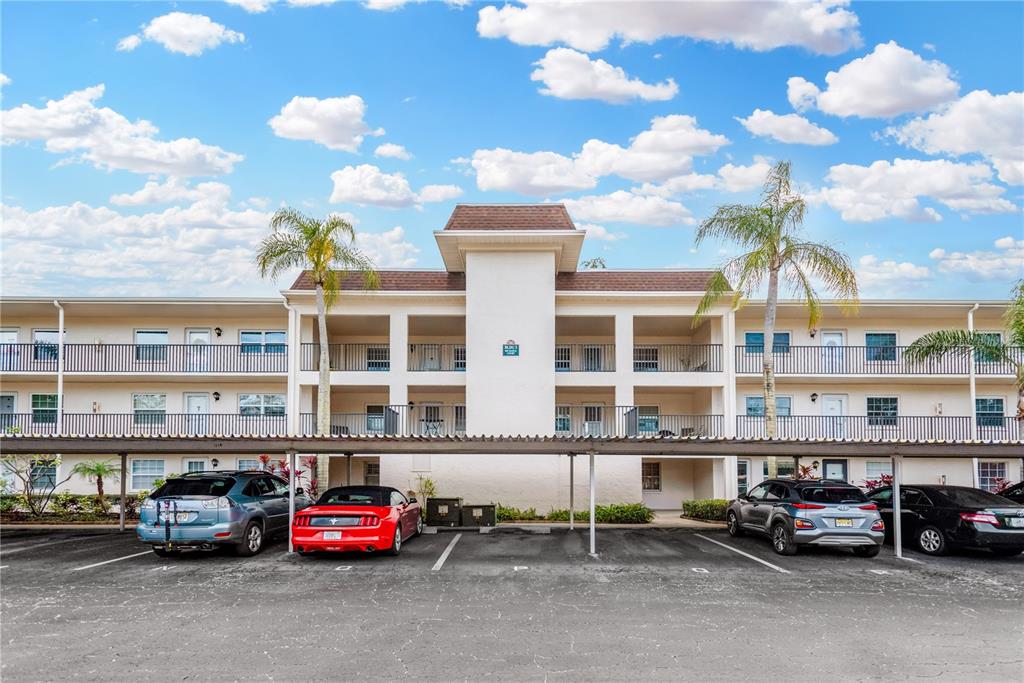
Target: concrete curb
x,y
128,527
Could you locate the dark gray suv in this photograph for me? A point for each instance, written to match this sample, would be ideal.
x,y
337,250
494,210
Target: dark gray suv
x,y
809,512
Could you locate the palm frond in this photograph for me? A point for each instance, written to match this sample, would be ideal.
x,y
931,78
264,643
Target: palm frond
x,y
776,185
827,265
746,225
280,252
960,343
805,290
717,287
287,219
1013,319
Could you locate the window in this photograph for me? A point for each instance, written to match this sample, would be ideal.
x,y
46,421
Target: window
x,y
195,466
44,408
44,475
913,497
989,412
151,345
563,419
378,358
593,420
882,411
563,359
651,472
459,358
262,341
833,494
645,359
647,419
881,346
883,496
460,419
261,404
374,419
757,493
776,492
247,464
280,487
784,467
755,342
877,468
397,499
994,338
742,475
988,472
149,409
371,474
145,473
755,406
46,345
258,487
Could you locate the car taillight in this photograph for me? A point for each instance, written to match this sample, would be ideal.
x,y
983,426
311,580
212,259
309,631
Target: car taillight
x,y
869,506
221,503
367,520
808,506
803,524
879,525
980,518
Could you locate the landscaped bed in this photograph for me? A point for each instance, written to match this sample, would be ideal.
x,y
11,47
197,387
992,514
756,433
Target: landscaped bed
x,y
616,513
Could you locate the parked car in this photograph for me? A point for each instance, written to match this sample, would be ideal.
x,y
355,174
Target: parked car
x,y
364,518
793,513
205,510
937,518
1014,493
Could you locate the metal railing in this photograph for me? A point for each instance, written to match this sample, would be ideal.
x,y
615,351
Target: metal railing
x,y
395,420
437,357
916,427
584,357
864,360
146,358
149,422
347,357
632,421
677,358
1000,428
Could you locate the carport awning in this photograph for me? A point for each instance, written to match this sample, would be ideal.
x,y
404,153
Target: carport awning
x,y
502,445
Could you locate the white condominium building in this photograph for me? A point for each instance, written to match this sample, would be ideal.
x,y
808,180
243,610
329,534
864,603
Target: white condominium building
x,y
509,339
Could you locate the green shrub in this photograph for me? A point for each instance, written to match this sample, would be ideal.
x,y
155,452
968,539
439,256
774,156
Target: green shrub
x,y
95,505
712,509
67,504
618,513
511,514
8,504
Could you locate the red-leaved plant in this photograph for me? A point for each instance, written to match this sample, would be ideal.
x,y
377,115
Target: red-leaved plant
x,y
999,484
883,480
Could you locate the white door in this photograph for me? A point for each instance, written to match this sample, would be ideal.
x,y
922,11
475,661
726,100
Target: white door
x,y
8,349
198,408
833,410
431,356
198,341
832,343
593,421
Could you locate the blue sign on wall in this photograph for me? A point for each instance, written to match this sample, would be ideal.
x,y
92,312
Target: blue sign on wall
x,y
510,349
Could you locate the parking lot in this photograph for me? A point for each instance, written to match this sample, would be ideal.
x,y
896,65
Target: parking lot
x,y
511,605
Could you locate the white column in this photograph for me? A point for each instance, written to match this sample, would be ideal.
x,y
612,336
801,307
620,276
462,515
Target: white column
x,y
593,505
60,367
729,373
398,379
292,397
897,514
624,346
974,396
572,486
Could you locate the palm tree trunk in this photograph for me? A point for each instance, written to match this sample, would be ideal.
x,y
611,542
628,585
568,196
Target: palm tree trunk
x,y
1020,391
770,309
99,491
323,397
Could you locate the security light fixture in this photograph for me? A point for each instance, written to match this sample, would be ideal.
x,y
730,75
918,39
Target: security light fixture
x,y
814,397
218,331
215,462
216,396
813,331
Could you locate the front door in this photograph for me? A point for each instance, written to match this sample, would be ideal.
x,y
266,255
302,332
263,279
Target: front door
x,y
198,408
593,420
832,350
7,402
833,411
198,341
9,349
431,358
834,469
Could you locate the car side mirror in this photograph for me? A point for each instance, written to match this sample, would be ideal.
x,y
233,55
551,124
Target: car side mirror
x,y
299,491
412,500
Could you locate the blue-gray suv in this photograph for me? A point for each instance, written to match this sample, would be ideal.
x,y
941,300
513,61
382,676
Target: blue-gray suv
x,y
205,510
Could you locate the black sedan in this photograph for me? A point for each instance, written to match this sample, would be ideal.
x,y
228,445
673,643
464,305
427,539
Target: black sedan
x,y
1015,493
937,518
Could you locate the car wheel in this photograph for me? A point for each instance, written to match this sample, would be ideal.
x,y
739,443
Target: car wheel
x,y
396,543
930,541
164,552
732,523
867,550
1007,552
252,540
782,540
419,525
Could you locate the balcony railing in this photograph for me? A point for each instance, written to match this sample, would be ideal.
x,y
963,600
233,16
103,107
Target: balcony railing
x,y
916,427
584,357
347,357
437,357
45,422
146,358
677,358
632,421
864,360
395,420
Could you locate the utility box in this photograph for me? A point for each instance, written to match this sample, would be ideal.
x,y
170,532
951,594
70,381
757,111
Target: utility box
x,y
478,515
444,511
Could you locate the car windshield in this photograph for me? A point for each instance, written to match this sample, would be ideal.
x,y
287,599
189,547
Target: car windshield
x,y
832,494
344,496
194,487
975,498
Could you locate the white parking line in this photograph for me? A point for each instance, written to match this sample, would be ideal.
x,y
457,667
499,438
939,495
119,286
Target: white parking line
x,y
343,568
699,570
444,556
519,568
116,559
5,566
747,555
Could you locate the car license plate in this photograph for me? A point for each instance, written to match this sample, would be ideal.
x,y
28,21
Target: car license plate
x,y
1015,521
177,518
842,521
332,535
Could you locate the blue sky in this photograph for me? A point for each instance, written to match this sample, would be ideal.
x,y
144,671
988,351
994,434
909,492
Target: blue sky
x,y
911,152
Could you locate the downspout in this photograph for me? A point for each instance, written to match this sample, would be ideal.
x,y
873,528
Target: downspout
x,y
60,367
293,349
974,396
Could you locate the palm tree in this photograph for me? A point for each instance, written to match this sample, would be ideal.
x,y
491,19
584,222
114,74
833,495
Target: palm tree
x,y
1009,350
324,248
774,250
96,471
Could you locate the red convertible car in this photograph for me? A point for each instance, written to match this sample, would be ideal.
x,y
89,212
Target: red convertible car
x,y
350,518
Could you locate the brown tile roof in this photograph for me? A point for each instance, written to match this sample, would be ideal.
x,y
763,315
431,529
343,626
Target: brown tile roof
x,y
586,281
510,217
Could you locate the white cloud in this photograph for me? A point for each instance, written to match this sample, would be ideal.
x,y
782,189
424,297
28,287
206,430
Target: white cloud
x,y
390,5
572,75
892,189
171,191
188,34
334,122
628,207
388,249
682,184
252,6
789,128
393,151
74,124
368,185
825,27
979,122
4,80
599,232
1007,263
889,81
533,173
888,276
743,178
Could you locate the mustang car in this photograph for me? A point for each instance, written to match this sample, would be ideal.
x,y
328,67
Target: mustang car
x,y
358,518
